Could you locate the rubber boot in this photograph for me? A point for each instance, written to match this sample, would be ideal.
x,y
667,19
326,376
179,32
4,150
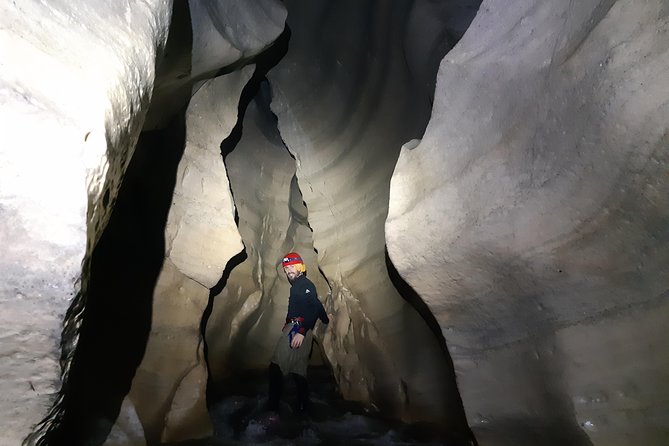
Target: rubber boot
x,y
275,387
302,387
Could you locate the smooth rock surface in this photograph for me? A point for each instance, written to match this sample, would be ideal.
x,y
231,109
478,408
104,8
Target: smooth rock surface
x,y
208,39
201,234
225,32
532,220
173,354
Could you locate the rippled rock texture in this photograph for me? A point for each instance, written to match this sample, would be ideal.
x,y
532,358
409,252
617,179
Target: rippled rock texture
x,y
344,108
532,219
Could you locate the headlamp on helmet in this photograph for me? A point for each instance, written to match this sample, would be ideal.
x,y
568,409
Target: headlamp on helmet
x,y
293,258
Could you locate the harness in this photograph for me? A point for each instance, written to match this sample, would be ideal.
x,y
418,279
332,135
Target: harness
x,y
295,329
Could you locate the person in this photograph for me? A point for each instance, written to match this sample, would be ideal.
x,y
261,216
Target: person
x,y
291,354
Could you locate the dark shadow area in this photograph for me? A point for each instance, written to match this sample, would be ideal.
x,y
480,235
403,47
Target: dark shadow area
x,y
458,422
412,297
265,61
240,418
215,291
456,16
124,270
173,85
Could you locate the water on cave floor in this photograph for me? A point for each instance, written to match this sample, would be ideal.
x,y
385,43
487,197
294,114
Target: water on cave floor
x,y
240,418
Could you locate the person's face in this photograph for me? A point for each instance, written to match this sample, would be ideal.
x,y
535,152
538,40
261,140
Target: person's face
x,y
291,272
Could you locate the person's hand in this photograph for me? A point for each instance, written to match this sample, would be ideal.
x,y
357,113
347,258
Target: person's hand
x,y
297,340
331,318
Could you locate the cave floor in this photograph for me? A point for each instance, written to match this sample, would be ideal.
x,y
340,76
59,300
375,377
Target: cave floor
x,y
239,418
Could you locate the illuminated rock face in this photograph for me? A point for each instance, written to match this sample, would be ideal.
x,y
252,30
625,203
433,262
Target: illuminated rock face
x,y
200,238
337,188
532,220
73,100
249,313
77,104
169,388
344,120
201,234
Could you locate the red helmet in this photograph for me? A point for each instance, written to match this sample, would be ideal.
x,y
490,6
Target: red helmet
x,y
292,258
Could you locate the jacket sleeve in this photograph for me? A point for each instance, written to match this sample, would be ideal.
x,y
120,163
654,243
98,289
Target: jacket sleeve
x,y
316,311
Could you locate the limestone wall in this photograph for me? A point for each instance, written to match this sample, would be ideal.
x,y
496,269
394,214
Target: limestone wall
x,y
532,220
169,389
345,103
75,84
530,215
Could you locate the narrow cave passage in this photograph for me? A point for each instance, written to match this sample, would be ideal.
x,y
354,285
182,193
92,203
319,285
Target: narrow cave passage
x,y
309,162
518,243
247,313
273,219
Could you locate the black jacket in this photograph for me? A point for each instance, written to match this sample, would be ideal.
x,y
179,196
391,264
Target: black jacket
x,y
303,304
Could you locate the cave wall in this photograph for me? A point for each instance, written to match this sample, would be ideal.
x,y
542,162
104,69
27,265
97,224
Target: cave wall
x,y
208,39
175,187
168,392
532,220
200,238
345,103
88,92
249,313
201,234
72,110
